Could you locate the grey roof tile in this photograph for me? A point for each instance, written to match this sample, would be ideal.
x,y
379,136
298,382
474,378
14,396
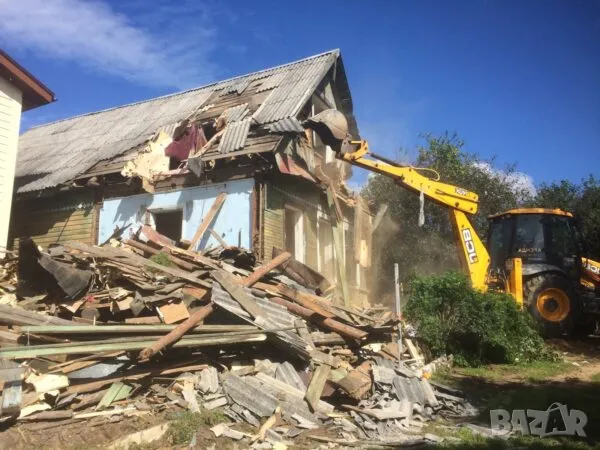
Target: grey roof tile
x,y
56,153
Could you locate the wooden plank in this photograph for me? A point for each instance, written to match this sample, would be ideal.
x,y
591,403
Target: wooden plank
x,y
153,236
143,320
412,349
174,312
154,251
317,383
119,255
208,219
231,285
219,239
197,292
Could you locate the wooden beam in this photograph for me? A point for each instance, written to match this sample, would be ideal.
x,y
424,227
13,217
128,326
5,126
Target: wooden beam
x,y
208,219
266,268
304,299
177,332
331,324
317,383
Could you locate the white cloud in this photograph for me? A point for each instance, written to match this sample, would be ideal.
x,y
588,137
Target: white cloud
x,y
154,44
520,181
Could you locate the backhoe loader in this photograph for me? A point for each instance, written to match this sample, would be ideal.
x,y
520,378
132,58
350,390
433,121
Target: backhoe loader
x,y
535,254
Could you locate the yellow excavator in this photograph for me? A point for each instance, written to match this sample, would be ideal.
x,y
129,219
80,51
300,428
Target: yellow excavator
x,y
534,254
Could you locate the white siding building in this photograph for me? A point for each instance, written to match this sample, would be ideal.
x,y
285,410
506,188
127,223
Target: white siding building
x,y
19,91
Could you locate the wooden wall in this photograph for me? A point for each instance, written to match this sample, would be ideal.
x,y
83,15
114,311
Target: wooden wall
x,y
55,219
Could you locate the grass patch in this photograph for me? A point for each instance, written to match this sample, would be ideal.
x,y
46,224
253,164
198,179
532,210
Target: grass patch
x,y
595,378
531,371
161,258
186,424
457,437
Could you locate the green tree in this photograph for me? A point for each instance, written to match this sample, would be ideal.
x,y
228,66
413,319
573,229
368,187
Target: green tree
x,y
581,199
432,248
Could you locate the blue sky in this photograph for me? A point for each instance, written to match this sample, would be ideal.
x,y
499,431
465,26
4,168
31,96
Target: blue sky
x,y
519,80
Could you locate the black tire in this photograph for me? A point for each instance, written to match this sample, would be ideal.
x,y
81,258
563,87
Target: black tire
x,y
551,301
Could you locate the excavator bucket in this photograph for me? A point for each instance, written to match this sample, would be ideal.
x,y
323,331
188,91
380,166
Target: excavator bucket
x,y
331,126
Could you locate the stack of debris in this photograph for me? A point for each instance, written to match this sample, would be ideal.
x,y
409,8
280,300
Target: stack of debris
x,y
141,325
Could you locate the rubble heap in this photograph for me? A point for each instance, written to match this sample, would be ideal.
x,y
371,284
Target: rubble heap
x,y
140,325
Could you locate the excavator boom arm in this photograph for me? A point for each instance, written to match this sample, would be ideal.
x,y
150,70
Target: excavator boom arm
x,y
409,177
472,253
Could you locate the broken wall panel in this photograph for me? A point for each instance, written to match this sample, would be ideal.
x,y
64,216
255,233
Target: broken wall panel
x,y
232,222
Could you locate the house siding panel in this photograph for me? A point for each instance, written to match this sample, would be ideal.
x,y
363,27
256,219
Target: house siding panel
x,y
10,116
55,220
232,221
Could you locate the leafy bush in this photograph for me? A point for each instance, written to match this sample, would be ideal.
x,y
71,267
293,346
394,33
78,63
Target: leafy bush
x,y
476,327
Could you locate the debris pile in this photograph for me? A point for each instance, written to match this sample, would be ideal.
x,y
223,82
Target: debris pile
x,y
142,326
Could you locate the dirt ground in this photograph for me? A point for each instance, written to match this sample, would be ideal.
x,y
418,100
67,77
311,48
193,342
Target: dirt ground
x,y
575,380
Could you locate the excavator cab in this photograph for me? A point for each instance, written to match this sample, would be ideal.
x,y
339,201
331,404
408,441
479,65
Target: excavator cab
x,y
544,239
549,250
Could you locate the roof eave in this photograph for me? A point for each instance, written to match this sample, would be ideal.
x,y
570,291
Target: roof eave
x,y
35,93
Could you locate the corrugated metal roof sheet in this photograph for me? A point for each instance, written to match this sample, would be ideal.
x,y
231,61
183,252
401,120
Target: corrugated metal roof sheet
x,y
58,152
250,396
287,125
276,317
235,113
272,82
234,137
294,90
286,373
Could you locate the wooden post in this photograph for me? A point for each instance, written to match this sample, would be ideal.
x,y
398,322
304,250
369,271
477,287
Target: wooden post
x,y
398,309
266,268
178,332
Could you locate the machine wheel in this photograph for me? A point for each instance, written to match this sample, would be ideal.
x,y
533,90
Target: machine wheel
x,y
551,301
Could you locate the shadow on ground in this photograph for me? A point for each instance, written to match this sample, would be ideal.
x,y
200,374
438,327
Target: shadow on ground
x,y
510,396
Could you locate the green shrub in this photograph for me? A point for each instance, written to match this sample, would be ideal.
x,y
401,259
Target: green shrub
x,y
476,327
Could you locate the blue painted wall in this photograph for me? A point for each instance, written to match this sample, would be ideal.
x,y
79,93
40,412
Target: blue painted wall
x,y
232,222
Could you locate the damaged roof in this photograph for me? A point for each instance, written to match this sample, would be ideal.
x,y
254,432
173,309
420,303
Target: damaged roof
x,y
59,152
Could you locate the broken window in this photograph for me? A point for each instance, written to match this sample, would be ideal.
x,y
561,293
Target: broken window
x,y
294,233
169,223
